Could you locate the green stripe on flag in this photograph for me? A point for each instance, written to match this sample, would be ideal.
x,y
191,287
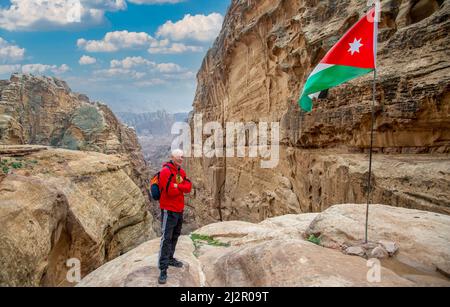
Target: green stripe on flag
x,y
328,78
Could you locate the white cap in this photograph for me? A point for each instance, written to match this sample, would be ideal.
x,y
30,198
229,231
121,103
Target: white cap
x,y
177,153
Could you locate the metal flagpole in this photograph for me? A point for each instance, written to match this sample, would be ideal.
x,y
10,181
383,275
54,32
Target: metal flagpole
x,y
369,186
377,6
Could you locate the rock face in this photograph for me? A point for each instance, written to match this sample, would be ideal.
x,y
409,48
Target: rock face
x,y
58,204
44,111
275,253
290,263
139,268
255,72
423,237
89,202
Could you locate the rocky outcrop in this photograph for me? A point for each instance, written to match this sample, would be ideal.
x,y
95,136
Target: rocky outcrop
x,y
424,237
44,111
57,205
275,252
139,268
255,72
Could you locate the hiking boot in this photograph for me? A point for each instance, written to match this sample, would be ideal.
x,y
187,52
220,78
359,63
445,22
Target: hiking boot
x,y
175,263
162,277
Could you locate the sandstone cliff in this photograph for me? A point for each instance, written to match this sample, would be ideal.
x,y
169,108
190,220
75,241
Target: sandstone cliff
x,y
44,111
276,253
255,72
58,204
87,201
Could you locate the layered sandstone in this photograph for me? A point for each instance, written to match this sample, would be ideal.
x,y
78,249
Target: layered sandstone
x,y
255,71
423,237
276,252
57,205
88,201
44,111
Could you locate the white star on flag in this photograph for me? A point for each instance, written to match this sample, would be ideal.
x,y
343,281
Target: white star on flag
x,y
354,47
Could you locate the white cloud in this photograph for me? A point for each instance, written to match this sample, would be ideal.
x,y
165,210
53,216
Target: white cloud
x,y
120,40
42,69
9,69
151,82
199,27
114,41
139,63
60,70
34,15
168,68
37,69
155,1
131,62
142,72
87,60
105,5
119,73
175,48
10,52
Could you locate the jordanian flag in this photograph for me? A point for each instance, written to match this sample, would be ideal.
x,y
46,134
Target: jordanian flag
x,y
353,56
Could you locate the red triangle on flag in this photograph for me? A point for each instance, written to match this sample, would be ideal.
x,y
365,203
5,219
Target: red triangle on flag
x,y
357,47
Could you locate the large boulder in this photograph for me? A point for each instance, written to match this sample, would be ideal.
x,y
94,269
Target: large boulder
x,y
423,237
289,263
239,233
275,253
139,268
58,204
33,232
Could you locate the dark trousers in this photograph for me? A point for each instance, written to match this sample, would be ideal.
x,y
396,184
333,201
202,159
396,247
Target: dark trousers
x,y
171,224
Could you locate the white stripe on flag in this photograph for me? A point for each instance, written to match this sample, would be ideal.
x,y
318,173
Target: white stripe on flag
x,y
320,67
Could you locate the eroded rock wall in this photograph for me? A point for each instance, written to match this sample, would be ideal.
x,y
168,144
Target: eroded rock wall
x,y
57,205
255,72
44,111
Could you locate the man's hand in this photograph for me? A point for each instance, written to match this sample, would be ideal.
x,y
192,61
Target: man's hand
x,y
175,186
179,179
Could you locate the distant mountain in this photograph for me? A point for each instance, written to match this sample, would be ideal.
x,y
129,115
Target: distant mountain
x,y
152,124
154,133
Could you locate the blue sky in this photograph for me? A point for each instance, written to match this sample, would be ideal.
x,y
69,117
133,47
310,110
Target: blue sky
x,y
134,55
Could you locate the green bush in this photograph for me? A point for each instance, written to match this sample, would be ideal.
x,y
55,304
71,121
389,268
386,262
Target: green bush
x,y
207,239
16,165
314,239
5,169
199,240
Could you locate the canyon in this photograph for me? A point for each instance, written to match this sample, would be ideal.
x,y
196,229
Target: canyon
x,y
255,72
74,179
154,134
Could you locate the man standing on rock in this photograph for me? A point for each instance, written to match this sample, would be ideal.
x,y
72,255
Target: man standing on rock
x,y
173,184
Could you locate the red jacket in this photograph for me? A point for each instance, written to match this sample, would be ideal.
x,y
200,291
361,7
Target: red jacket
x,y
172,198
